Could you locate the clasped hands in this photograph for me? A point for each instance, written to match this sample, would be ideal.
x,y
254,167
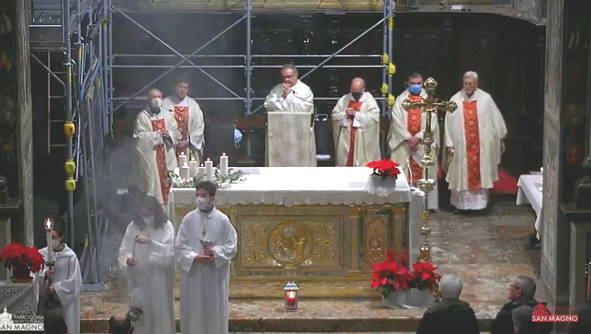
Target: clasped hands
x,y
207,255
49,274
413,143
351,112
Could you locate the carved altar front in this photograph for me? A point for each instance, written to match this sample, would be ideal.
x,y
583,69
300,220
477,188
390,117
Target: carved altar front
x,y
305,235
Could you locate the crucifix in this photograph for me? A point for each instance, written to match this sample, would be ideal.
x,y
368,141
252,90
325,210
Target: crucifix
x,y
429,105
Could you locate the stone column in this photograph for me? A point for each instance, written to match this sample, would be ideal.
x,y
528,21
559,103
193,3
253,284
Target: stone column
x,y
25,119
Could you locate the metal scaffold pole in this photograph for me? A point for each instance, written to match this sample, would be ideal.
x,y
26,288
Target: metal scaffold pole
x,y
69,127
248,59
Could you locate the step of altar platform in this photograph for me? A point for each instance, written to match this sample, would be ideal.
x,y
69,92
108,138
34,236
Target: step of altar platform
x,y
314,315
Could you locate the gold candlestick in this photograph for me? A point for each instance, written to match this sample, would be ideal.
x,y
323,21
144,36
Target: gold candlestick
x,y
429,106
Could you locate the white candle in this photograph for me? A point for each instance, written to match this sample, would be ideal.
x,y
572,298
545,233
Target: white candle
x,y
208,170
192,167
224,165
201,171
184,171
48,228
182,159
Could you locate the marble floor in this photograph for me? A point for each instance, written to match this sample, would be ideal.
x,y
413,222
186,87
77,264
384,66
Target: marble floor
x,y
485,251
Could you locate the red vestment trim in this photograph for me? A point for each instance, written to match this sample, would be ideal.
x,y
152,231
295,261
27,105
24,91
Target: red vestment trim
x,y
356,105
413,125
472,144
157,125
181,115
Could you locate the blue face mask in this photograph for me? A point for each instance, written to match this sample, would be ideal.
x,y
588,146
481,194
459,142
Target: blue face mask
x,y
415,89
237,137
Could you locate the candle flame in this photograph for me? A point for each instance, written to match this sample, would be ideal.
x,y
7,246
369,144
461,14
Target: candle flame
x,y
223,154
49,223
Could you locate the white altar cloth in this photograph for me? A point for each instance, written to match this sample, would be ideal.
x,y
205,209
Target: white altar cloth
x,y
290,186
530,191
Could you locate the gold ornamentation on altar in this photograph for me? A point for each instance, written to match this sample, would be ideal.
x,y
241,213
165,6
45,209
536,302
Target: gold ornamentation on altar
x,y
290,243
430,105
375,243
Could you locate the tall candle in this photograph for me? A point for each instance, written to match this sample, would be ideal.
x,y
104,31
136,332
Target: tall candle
x,y
184,171
201,171
182,159
208,170
48,228
224,165
192,167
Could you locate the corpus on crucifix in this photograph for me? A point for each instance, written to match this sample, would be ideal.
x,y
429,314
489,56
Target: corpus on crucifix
x,y
429,105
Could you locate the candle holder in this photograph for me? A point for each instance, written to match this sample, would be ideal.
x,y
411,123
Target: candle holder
x,y
291,296
429,106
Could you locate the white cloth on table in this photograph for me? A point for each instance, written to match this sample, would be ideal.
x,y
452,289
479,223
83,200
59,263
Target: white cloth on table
x,y
530,191
292,186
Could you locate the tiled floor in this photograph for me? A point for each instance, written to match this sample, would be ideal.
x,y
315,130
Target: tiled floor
x,y
486,251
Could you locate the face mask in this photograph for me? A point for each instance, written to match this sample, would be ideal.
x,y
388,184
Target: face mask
x,y
237,137
204,204
356,96
148,220
55,244
415,89
155,104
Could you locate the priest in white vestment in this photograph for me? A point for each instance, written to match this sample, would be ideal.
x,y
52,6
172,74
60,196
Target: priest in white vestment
x,y
406,134
290,144
66,278
154,139
189,119
205,244
147,252
356,127
474,141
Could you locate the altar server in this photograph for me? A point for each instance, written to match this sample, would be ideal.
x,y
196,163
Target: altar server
x,y
356,127
206,243
406,133
65,279
189,119
154,139
474,139
147,251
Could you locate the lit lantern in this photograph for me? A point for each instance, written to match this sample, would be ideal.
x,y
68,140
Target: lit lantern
x,y
291,296
69,129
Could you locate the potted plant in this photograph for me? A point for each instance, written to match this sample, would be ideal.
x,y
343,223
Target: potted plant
x,y
22,261
401,287
382,180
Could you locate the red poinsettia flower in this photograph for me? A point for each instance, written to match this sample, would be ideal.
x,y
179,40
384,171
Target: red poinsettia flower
x,y
384,167
424,275
16,254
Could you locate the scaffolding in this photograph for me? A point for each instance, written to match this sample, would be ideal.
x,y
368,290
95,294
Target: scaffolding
x,y
188,61
71,41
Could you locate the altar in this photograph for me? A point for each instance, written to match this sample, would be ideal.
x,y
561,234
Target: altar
x,y
308,223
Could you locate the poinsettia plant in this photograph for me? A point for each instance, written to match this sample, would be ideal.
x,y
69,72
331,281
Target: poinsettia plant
x,y
384,167
18,256
393,275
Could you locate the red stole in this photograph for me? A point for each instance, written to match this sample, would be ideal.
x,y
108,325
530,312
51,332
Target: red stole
x,y
181,115
356,105
472,144
413,125
157,125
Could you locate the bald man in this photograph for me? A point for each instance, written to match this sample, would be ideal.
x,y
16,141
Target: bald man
x,y
356,127
154,139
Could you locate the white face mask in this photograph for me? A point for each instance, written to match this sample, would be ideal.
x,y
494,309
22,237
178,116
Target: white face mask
x,y
55,244
156,103
204,204
148,220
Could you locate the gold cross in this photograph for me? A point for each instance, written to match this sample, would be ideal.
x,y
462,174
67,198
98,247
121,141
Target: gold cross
x,y
429,105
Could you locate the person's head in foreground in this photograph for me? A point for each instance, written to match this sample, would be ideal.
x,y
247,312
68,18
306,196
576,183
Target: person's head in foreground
x,y
120,323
